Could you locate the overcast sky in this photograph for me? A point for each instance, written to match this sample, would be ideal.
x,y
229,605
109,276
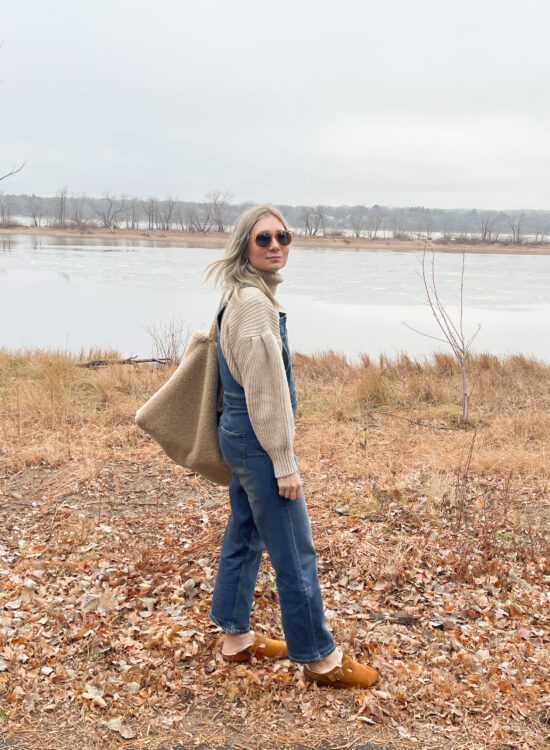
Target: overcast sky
x,y
441,103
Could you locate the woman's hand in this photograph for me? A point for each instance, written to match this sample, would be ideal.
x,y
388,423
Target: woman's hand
x,y
290,486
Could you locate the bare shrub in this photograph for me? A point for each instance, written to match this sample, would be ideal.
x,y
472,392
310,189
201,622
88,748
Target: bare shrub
x,y
169,340
452,331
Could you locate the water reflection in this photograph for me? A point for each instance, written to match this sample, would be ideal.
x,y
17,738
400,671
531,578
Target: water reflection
x,y
76,243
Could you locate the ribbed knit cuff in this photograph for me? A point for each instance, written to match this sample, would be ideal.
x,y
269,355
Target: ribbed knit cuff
x,y
284,463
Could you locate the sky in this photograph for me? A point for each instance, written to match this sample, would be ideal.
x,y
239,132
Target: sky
x,y
437,103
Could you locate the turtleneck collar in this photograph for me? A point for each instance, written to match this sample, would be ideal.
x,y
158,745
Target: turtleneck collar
x,y
271,279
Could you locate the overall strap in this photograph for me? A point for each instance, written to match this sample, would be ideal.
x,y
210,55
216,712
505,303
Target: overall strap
x,y
214,328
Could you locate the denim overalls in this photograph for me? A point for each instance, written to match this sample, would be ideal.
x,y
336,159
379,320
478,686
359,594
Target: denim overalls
x,y
262,519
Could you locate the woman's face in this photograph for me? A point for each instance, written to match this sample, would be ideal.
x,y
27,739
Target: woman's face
x,y
273,257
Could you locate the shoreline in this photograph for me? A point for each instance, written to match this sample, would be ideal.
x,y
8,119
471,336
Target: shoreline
x,y
220,239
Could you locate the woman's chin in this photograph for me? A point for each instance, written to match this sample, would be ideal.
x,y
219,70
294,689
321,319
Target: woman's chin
x,y
269,265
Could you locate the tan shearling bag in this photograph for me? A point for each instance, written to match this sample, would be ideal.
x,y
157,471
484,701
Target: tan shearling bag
x,y
183,415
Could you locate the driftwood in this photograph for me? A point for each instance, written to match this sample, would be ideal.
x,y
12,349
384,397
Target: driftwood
x,y
127,361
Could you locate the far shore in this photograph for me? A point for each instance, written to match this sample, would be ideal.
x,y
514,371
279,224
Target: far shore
x,y
177,236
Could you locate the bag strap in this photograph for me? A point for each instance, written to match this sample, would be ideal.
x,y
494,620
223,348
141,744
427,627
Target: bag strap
x,y
213,332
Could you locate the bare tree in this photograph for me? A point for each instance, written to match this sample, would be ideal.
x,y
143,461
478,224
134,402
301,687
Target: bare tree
x,y
5,210
374,222
199,218
306,218
34,207
427,223
77,205
453,333
132,215
151,210
446,228
181,218
313,219
166,211
541,228
13,170
515,221
218,207
110,211
358,220
319,220
61,215
396,223
486,223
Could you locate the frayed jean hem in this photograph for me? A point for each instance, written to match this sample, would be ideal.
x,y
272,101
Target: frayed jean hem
x,y
231,629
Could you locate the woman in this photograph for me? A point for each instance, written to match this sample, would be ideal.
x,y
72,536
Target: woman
x,y
256,432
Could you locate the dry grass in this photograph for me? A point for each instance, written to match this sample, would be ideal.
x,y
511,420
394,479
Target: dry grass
x,y
53,411
390,418
511,387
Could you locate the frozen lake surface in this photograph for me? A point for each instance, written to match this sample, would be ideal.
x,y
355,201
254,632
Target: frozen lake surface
x,y
74,294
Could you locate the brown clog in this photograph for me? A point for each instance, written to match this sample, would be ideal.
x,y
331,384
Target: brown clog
x,y
262,648
349,674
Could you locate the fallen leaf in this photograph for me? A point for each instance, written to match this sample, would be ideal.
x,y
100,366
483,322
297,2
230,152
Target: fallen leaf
x,y
116,725
16,694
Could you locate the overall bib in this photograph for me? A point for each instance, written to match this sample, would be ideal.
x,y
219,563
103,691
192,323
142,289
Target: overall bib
x,y
262,519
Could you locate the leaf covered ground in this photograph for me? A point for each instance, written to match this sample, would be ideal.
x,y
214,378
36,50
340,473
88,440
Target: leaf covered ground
x,y
433,556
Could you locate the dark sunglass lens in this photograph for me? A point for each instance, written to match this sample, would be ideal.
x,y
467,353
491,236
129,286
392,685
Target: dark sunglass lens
x,y
263,239
284,238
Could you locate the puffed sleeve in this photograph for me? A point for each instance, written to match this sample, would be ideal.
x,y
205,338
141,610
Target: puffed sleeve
x,y
253,349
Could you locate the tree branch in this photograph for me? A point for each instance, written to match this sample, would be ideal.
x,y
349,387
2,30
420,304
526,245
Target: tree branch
x,y
15,170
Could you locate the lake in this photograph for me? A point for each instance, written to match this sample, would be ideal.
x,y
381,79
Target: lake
x,y
67,293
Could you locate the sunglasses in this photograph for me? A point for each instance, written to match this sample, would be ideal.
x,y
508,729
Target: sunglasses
x,y
263,239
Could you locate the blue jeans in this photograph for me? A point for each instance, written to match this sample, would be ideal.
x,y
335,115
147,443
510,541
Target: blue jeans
x,y
262,519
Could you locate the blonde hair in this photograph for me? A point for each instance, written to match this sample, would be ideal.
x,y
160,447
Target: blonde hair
x,y
233,270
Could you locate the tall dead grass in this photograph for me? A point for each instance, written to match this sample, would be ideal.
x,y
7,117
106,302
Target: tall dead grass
x,y
396,422
500,385
401,412
52,410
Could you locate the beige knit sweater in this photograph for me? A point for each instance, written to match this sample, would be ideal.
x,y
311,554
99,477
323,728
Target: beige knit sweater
x,y
251,344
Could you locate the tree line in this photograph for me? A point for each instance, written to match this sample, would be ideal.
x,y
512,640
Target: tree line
x,y
217,213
